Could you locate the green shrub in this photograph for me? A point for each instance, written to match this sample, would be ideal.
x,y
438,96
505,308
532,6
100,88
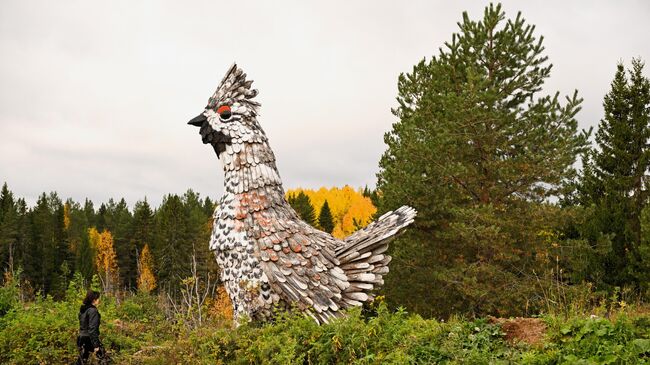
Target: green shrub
x,y
600,341
40,333
135,332
8,298
140,307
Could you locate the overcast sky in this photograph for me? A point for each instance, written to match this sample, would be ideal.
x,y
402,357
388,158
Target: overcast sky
x,y
95,96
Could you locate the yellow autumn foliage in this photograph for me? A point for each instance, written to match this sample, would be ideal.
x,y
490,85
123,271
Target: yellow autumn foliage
x,y
66,216
105,258
221,305
350,209
146,280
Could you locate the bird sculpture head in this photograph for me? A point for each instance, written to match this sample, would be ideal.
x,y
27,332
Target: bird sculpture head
x,y
231,115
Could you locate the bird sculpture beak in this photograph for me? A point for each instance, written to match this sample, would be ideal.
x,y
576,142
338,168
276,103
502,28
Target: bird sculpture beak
x,y
198,120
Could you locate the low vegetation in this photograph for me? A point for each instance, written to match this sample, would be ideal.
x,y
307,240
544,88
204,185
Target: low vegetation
x,y
140,330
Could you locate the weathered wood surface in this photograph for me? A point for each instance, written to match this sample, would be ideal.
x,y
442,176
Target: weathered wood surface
x,y
267,255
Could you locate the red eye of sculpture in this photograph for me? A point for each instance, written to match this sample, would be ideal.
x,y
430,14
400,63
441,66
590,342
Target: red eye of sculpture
x,y
224,112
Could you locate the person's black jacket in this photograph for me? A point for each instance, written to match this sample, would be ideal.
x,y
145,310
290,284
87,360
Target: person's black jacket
x,y
89,319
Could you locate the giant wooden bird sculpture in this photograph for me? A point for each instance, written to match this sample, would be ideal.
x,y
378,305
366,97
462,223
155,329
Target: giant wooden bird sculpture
x,y
268,256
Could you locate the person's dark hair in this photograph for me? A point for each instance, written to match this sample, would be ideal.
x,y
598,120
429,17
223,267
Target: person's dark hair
x,y
90,297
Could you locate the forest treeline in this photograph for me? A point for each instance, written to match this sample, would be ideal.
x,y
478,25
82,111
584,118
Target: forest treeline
x,y
49,242
507,224
140,249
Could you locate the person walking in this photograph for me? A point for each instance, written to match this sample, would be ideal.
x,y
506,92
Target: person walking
x,y
88,340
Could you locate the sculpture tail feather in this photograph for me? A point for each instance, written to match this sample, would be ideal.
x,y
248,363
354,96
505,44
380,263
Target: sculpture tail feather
x,y
363,257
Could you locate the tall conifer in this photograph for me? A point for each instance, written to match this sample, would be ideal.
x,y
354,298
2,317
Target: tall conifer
x,y
325,220
615,182
302,205
8,229
478,152
172,247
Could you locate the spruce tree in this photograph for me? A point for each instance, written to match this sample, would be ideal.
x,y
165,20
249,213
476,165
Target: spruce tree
x,y
614,183
172,248
85,258
77,232
65,257
143,224
325,220
198,230
8,229
21,253
478,152
372,195
143,229
302,205
38,223
89,212
120,227
48,248
208,206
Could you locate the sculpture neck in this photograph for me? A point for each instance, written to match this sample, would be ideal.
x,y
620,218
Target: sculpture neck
x,y
250,166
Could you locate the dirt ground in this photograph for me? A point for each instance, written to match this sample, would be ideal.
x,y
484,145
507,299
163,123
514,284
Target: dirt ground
x,y
529,330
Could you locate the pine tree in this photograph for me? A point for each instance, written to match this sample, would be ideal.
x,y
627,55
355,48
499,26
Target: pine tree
x,y
325,220
302,205
477,151
614,182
